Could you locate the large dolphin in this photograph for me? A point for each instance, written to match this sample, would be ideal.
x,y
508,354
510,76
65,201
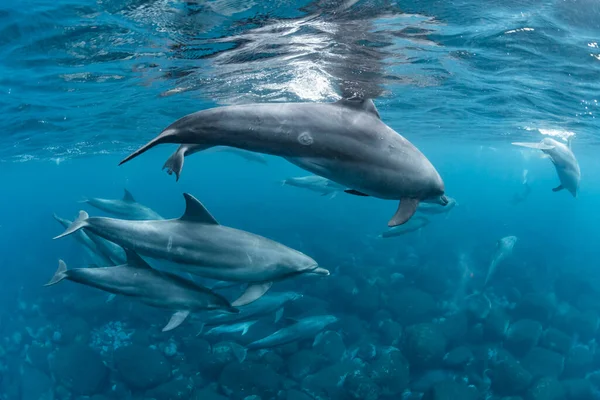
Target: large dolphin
x,y
125,207
304,328
504,248
345,142
196,243
315,183
564,161
156,288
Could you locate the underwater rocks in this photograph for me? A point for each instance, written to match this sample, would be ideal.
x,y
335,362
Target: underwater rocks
x,y
451,390
458,357
555,340
330,346
412,306
579,389
455,327
174,390
537,306
578,362
141,367
361,387
303,363
496,324
509,377
328,383
238,381
522,336
546,388
79,368
35,385
424,345
390,371
542,362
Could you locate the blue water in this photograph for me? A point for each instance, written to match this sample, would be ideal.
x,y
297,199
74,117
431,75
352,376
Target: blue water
x,y
84,83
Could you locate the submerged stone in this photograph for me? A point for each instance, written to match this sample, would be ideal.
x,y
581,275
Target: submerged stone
x,y
578,389
451,390
578,362
238,381
536,306
458,357
424,345
555,340
546,388
522,336
496,324
542,362
390,371
80,369
412,306
303,363
174,390
361,387
141,367
510,378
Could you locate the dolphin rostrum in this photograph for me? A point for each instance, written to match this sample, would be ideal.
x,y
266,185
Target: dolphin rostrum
x,y
504,248
345,142
304,328
125,207
196,243
564,161
156,288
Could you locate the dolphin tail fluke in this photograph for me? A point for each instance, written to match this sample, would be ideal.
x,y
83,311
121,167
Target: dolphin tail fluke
x,y
167,136
59,275
79,223
253,292
174,164
176,320
406,209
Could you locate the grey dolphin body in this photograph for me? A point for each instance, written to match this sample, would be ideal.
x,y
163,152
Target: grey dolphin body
x,y
415,224
316,184
504,248
345,142
88,244
304,328
125,207
198,244
429,208
564,161
156,288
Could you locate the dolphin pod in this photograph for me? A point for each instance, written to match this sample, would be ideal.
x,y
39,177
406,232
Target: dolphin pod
x,y
156,288
196,243
564,161
344,141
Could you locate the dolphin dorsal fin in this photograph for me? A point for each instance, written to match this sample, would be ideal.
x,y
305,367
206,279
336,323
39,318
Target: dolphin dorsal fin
x,y
134,260
127,196
365,105
196,212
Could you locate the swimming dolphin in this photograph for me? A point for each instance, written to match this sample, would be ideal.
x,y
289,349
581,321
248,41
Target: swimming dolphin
x,y
88,244
564,161
269,303
316,184
345,142
304,328
197,244
413,225
504,248
429,208
156,288
125,207
235,328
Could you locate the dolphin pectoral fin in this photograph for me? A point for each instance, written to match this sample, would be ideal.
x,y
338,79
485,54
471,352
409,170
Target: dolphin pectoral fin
x,y
278,315
558,188
252,293
59,275
355,192
406,209
539,146
176,320
110,297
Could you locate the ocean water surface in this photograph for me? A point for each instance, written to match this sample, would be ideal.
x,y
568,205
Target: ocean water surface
x,y
84,83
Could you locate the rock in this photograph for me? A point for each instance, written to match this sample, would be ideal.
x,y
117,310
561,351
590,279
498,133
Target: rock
x,y
424,345
537,306
565,319
208,394
142,368
555,340
585,324
546,388
240,380
294,394
578,362
510,378
522,336
353,327
542,362
37,355
74,330
475,334
390,371
36,385
360,387
478,306
455,327
303,363
175,390
431,280
390,332
80,369
326,382
594,378
458,357
330,346
412,306
450,390
223,353
578,389
368,302
198,353
496,325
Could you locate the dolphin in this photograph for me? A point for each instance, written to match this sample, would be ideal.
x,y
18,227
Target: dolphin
x,y
316,184
413,225
156,288
504,248
345,142
88,244
269,303
304,328
224,329
125,207
432,208
196,243
564,161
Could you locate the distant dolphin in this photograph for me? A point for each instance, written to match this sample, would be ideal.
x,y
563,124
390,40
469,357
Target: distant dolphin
x,y
316,184
564,161
235,328
345,142
304,328
429,208
197,244
156,288
125,207
413,225
504,248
